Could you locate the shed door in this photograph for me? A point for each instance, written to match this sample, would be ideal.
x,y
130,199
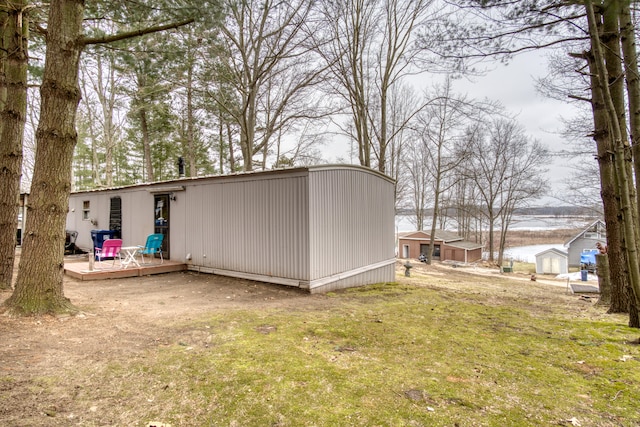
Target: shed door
x,y
551,265
161,220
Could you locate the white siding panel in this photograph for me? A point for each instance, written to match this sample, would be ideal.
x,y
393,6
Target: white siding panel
x,y
378,275
255,226
351,222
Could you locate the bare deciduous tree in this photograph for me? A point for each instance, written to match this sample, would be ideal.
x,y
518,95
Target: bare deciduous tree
x,y
268,61
440,129
368,45
499,166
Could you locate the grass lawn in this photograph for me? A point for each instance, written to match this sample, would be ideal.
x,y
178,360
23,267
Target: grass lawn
x,y
432,350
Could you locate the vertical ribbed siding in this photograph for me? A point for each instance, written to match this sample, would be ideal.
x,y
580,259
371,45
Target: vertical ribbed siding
x,y
300,225
352,217
254,225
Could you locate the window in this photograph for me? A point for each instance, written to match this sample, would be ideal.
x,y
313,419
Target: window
x,y
86,208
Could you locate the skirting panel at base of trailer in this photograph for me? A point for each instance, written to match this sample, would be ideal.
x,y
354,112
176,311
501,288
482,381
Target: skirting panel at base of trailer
x,y
375,273
247,276
382,274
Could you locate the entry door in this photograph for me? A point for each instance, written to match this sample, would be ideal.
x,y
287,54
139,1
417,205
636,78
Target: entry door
x,y
162,220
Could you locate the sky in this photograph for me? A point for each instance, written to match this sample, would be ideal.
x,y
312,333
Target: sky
x,y
513,85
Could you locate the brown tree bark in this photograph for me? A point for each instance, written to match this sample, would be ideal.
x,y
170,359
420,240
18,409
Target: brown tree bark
x,y
604,279
621,148
146,144
39,287
611,39
619,302
13,106
630,56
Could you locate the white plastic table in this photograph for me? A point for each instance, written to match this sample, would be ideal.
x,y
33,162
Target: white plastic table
x,y
130,255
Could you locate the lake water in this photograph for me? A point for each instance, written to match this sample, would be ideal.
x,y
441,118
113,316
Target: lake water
x,y
406,223
528,253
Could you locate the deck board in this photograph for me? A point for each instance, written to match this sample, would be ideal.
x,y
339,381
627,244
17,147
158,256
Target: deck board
x,y
80,269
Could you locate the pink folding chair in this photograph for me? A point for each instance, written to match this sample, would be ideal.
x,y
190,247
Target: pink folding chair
x,y
110,249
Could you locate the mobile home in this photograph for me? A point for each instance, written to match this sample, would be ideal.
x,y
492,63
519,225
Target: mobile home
x,y
318,228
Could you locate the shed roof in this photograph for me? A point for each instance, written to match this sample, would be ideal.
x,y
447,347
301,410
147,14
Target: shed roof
x,y
444,235
554,250
464,244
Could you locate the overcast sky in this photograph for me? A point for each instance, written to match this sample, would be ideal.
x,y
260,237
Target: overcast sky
x,y
514,86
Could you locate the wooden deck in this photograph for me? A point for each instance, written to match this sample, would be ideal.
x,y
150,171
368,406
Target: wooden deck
x,y
79,268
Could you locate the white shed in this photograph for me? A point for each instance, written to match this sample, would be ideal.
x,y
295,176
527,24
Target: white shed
x,y
552,261
319,228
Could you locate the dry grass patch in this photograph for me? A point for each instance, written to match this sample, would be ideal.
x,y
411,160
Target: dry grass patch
x,y
392,354
442,348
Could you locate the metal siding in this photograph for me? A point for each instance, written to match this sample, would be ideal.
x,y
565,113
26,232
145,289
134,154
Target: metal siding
x,y
298,225
379,275
577,246
352,220
193,234
255,226
137,215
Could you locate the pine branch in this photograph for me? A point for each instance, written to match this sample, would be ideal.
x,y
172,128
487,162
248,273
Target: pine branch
x,y
136,33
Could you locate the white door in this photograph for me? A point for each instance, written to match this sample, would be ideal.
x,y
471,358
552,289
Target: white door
x,y
555,265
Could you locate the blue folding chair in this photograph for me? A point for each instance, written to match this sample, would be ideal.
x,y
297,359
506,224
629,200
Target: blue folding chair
x,y
152,247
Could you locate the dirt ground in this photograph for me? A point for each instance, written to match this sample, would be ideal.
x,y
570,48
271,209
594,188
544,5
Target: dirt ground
x,y
122,318
119,319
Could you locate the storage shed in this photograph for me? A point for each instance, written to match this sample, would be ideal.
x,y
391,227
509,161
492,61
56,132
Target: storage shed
x,y
585,240
448,246
552,261
318,228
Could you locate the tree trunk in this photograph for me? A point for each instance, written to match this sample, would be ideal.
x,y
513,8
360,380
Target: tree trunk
x,y
628,42
191,145
611,39
610,198
491,222
232,158
146,144
13,103
621,147
633,83
39,287
604,282
434,219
